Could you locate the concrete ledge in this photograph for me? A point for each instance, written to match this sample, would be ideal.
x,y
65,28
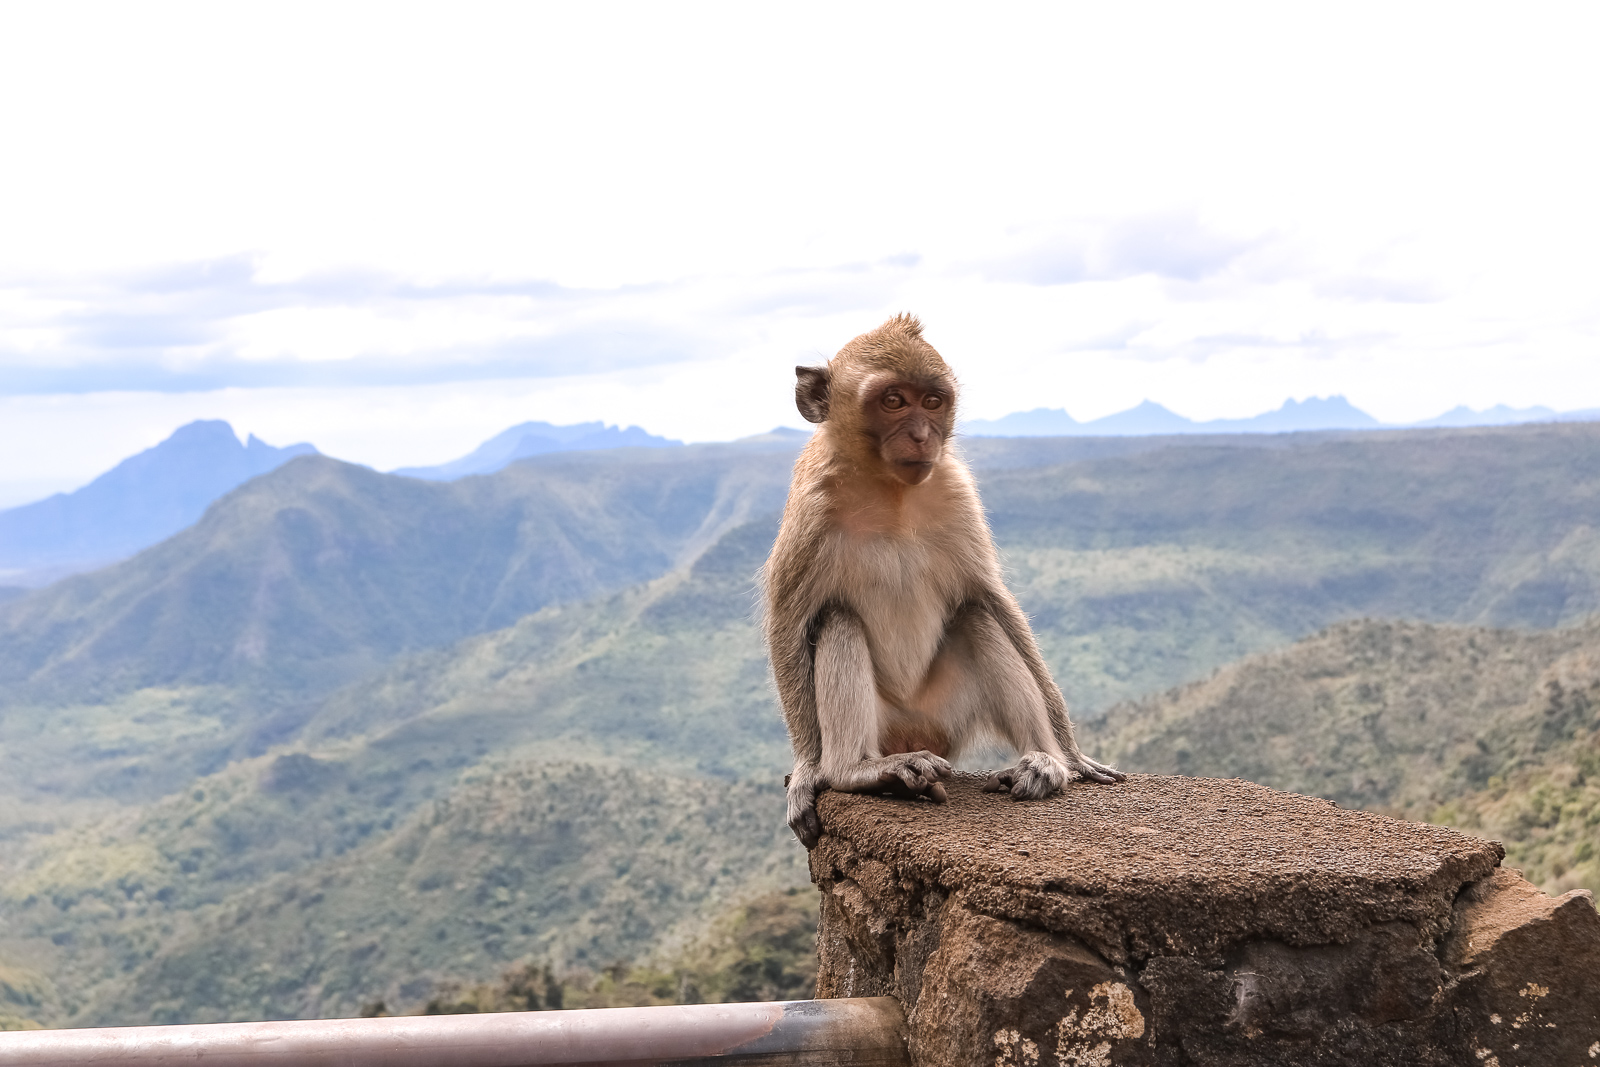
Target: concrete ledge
x,y
1183,920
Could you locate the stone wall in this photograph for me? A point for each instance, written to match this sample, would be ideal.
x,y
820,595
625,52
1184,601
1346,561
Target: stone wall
x,y
1197,921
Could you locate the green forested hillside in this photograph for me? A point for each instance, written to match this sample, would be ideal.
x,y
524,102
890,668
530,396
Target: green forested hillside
x,y
667,677
161,790
1144,571
1496,732
581,865
764,948
322,570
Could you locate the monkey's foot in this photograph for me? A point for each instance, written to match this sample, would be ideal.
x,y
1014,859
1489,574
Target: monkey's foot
x,y
1094,770
911,775
1033,777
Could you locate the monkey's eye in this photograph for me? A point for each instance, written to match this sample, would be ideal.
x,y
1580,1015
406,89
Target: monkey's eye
x,y
893,401
933,402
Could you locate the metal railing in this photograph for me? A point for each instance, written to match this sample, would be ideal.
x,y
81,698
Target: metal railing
x,y
854,1032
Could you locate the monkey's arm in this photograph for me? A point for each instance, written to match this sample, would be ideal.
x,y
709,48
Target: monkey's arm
x,y
1008,613
790,620
847,725
790,648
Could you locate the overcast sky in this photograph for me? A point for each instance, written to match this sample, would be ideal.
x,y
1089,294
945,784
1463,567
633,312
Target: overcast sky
x,y
394,230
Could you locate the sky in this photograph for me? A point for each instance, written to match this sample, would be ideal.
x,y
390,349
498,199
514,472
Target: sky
x,y
393,230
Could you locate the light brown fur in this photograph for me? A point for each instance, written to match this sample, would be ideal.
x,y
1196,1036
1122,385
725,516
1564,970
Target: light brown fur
x,y
893,639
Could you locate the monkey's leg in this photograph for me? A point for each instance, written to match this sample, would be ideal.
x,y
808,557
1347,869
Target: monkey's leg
x,y
995,687
850,717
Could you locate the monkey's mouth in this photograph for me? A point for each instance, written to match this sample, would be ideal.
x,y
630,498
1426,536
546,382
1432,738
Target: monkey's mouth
x,y
913,471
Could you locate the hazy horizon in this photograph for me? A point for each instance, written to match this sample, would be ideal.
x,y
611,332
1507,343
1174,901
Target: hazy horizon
x,y
21,492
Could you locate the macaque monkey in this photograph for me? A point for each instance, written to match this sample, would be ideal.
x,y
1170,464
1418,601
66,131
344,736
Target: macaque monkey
x,y
894,642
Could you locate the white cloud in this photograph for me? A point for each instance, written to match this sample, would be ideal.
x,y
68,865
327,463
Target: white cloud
x,y
369,213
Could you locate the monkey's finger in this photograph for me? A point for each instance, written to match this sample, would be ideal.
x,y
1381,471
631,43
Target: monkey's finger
x,y
914,779
900,783
1100,772
998,782
896,777
936,793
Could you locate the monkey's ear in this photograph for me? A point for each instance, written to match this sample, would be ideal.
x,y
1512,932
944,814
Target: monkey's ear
x,y
811,390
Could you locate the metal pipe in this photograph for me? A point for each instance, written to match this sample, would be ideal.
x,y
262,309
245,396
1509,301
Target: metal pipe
x,y
850,1032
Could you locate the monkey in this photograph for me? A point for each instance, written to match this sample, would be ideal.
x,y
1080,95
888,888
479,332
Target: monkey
x,y
893,640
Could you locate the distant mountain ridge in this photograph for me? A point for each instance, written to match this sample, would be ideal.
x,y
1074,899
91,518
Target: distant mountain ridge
x,y
323,569
142,500
157,493
153,495
1315,413
537,439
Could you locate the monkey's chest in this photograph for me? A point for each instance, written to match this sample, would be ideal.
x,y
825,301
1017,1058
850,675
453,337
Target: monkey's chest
x,y
904,597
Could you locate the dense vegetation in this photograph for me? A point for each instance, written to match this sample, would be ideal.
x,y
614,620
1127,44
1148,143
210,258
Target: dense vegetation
x,y
357,738
761,949
1496,732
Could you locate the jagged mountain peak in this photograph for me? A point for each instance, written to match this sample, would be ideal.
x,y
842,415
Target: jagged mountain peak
x,y
142,500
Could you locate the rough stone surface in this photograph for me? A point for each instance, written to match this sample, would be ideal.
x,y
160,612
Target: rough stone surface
x,y
1529,967
1182,920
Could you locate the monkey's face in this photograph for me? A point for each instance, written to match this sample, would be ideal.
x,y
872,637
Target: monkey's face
x,y
909,421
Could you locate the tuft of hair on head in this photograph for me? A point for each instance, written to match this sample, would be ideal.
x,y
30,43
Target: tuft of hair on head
x,y
905,323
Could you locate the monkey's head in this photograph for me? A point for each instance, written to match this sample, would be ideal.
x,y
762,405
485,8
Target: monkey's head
x,y
887,396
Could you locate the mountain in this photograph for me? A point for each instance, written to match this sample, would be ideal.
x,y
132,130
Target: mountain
x,y
1142,570
1317,413
1501,415
1040,422
142,500
1148,418
454,639
322,570
537,439
502,717
1139,572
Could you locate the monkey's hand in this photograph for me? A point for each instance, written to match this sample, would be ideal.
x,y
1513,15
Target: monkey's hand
x,y
913,774
802,798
